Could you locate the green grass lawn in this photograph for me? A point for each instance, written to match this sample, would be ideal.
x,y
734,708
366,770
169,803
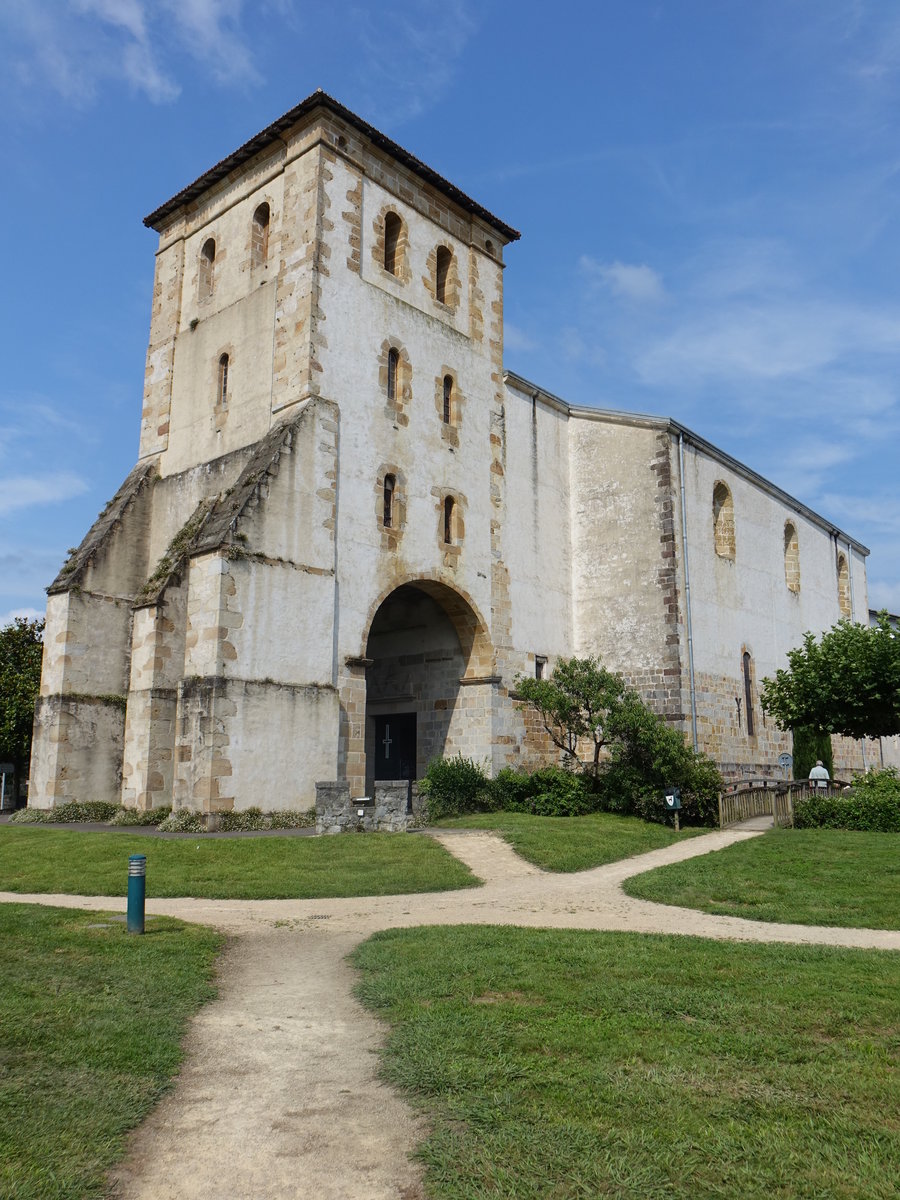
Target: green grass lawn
x,y
91,1021
577,1065
573,843
33,859
807,876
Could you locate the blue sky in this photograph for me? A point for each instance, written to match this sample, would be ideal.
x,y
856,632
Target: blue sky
x,y
708,193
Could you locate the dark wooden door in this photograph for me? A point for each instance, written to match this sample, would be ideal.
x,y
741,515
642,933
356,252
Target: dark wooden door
x,y
395,746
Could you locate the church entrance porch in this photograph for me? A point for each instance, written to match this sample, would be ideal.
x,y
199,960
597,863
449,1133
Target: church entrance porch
x,y
424,645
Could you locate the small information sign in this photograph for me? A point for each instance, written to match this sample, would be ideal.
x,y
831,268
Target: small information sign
x,y
673,802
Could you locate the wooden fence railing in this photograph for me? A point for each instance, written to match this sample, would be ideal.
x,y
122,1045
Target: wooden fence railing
x,y
767,798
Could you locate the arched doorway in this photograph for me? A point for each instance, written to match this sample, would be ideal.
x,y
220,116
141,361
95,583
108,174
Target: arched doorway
x,y
425,646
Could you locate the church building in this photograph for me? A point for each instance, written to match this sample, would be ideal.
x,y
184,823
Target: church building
x,y
350,527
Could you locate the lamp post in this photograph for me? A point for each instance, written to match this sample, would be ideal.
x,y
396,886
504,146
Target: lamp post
x,y
137,881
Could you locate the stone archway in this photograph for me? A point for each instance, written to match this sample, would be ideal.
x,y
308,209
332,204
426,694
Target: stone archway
x,y
426,653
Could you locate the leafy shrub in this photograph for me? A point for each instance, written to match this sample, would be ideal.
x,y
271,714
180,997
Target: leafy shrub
x,y
247,820
547,792
136,816
29,816
647,757
88,810
252,819
455,785
872,805
511,790
293,818
182,820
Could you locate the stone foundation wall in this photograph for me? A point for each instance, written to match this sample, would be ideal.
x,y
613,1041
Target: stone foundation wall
x,y
243,743
394,808
81,750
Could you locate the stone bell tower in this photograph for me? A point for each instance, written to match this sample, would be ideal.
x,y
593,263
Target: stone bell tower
x,y
322,425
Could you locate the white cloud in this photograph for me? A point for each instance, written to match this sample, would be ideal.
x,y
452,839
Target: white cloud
x,y
210,30
26,491
576,348
628,281
27,416
881,512
30,614
515,338
25,571
729,267
428,38
811,462
768,341
75,47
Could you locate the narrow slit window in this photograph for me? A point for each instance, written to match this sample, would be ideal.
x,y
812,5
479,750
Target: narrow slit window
x,y
723,522
393,365
448,400
448,520
748,693
442,272
791,558
259,236
843,573
540,666
392,228
390,484
207,268
222,387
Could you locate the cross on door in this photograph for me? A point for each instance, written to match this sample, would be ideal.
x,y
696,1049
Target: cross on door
x,y
387,741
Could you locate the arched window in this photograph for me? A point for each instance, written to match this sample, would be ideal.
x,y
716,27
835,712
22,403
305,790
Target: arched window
x,y
449,506
791,558
747,664
207,268
448,400
489,246
222,385
723,521
843,574
393,366
392,229
390,484
259,237
442,270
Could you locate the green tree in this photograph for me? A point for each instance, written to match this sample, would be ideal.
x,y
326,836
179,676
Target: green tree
x,y
575,705
847,682
810,745
21,646
582,703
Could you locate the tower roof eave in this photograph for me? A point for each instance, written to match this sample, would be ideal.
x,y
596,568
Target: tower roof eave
x,y
273,132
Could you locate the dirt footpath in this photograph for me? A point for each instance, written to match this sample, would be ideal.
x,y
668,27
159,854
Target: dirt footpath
x,y
278,1096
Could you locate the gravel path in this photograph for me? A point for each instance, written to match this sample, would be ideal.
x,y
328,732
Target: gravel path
x,y
279,1096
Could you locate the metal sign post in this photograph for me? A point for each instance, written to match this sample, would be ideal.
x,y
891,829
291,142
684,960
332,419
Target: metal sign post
x,y
673,804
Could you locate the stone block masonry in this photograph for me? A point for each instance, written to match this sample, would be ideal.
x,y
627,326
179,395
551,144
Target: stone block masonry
x,y
394,808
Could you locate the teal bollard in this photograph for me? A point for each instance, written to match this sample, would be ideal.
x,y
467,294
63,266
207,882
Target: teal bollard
x,y
137,882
